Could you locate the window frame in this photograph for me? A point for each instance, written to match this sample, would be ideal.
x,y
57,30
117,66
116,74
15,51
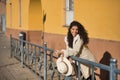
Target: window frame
x,y
69,12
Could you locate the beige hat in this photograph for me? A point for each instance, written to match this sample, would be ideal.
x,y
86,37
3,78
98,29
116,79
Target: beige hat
x,y
64,66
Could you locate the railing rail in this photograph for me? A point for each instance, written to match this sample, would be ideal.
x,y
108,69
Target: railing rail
x,y
112,68
40,59
37,58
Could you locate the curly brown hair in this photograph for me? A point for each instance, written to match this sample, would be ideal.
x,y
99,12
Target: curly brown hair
x,y
81,31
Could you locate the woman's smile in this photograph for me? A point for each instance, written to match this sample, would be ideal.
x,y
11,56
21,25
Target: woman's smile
x,y
74,31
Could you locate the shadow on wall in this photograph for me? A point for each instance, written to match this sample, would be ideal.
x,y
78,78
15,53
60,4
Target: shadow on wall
x,y
104,75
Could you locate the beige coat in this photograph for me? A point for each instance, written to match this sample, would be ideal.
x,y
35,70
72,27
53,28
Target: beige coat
x,y
85,54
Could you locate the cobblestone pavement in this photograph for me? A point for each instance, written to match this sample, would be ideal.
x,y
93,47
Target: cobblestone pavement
x,y
10,68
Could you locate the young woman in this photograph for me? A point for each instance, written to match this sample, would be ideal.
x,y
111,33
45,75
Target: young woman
x,y
76,44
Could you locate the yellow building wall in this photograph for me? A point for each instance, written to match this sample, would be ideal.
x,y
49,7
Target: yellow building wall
x,y
25,15
35,15
8,15
31,15
13,14
54,16
100,17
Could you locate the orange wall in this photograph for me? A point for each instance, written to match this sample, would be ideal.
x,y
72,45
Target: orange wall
x,y
35,15
100,17
31,15
54,16
13,15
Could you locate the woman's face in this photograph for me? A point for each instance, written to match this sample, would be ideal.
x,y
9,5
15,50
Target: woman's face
x,y
74,30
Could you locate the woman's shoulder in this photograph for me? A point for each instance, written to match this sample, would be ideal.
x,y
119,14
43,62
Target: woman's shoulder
x,y
65,39
77,37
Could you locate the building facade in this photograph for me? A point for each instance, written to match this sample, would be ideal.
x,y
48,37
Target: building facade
x,y
49,20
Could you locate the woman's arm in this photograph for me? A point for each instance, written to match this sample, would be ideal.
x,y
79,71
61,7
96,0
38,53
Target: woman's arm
x,y
77,44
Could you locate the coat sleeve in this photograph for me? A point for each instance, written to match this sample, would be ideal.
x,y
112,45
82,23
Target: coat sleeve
x,y
77,43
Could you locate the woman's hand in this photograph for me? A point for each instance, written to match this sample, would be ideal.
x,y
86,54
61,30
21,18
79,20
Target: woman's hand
x,y
62,53
59,52
70,59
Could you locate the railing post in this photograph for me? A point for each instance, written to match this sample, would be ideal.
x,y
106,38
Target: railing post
x,y
21,48
11,46
79,73
45,61
113,67
92,72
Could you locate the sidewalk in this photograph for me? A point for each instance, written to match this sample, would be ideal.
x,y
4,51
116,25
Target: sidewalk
x,y
10,68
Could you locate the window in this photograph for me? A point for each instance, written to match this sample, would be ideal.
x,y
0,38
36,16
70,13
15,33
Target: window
x,y
69,12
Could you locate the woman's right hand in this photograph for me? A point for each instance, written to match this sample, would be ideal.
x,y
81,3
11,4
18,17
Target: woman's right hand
x,y
57,52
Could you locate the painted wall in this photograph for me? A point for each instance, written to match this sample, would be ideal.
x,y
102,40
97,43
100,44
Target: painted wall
x,y
13,14
100,18
31,15
54,16
35,15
